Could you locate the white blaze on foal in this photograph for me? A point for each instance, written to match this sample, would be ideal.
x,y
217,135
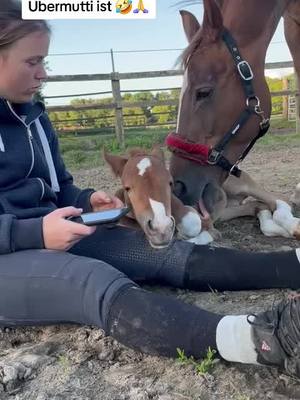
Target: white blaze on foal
x,y
143,165
160,221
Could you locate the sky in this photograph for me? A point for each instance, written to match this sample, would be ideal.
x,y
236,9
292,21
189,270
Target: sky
x,y
164,32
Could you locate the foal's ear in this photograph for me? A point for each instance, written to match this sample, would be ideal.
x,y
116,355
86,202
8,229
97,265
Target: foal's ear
x,y
157,151
212,20
190,24
117,163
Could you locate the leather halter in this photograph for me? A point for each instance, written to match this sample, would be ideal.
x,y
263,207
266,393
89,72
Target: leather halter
x,y
205,155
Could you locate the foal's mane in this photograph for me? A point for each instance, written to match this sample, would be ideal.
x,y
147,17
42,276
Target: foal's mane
x,y
138,151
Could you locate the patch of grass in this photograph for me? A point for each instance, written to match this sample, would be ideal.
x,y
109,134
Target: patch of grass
x,y
273,139
86,151
64,362
282,124
202,366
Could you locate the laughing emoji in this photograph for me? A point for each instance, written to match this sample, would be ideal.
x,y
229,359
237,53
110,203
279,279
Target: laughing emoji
x,y
123,6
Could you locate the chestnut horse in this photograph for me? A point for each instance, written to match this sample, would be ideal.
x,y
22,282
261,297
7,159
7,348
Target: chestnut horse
x,y
225,102
147,189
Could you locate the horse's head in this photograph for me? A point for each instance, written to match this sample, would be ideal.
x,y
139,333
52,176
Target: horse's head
x,y
147,188
220,111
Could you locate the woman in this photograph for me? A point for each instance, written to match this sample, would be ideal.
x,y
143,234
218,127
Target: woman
x,y
53,270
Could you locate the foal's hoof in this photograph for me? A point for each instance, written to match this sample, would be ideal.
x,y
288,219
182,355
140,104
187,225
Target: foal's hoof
x,y
202,239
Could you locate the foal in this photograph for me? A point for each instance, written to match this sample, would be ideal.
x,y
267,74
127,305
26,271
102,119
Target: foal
x,y
147,189
274,214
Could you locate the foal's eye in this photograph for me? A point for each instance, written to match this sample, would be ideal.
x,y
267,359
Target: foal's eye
x,y
203,93
127,188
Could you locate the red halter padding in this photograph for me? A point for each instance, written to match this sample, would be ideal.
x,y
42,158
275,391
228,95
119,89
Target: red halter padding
x,y
189,150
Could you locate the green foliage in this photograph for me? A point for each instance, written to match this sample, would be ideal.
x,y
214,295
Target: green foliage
x,y
67,121
86,151
203,366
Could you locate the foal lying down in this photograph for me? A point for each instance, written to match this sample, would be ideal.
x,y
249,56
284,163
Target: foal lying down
x,y
244,197
147,189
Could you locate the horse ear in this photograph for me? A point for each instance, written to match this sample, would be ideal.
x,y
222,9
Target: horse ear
x,y
157,151
190,24
212,20
117,163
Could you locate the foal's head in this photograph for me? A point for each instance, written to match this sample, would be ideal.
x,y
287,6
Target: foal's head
x,y
147,188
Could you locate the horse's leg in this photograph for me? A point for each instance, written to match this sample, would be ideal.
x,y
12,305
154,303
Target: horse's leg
x,y
295,198
292,35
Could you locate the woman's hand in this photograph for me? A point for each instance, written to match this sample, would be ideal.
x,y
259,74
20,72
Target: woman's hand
x,y
61,234
102,201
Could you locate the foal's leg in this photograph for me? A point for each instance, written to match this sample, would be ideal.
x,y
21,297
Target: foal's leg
x,y
188,221
295,198
246,186
248,209
284,223
189,224
252,209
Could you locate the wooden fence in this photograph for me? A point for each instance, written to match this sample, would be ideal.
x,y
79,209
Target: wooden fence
x,y
118,104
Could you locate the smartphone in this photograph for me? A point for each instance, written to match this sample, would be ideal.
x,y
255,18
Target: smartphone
x,y
101,217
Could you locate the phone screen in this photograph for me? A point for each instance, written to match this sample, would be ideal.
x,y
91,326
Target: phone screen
x,y
102,215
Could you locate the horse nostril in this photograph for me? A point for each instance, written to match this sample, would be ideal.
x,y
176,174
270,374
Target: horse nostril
x,y
179,188
150,225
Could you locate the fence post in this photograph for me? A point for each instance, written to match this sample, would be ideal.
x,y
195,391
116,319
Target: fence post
x,y
119,121
285,105
297,96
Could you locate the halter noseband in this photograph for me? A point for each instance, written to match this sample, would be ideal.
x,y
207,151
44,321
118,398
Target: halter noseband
x,y
205,155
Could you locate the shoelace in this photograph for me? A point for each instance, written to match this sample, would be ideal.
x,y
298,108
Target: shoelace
x,y
273,325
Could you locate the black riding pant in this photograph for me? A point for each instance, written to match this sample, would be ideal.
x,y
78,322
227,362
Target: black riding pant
x,y
42,287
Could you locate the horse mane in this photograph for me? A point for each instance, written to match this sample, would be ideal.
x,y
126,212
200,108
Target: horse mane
x,y
191,49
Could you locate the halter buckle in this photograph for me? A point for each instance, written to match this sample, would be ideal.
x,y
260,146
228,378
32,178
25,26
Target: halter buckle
x,y
245,70
213,157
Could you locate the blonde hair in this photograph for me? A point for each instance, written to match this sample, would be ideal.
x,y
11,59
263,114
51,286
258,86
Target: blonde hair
x,y
13,27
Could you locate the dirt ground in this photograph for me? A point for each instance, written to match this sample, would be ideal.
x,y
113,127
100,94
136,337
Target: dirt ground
x,y
80,363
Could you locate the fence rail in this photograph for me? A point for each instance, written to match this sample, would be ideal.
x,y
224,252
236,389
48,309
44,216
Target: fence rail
x,y
118,105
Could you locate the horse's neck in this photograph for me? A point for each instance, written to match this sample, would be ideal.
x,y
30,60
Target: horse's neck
x,y
253,23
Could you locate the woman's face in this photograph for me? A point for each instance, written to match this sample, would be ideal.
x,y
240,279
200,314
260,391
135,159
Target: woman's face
x,y
22,67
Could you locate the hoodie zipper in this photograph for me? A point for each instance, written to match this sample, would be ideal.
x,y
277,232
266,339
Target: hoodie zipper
x,y
29,136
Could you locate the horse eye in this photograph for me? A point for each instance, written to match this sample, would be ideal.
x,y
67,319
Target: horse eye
x,y
127,188
203,93
171,183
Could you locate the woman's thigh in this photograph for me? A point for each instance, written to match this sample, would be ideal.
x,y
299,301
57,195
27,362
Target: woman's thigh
x,y
44,287
129,251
